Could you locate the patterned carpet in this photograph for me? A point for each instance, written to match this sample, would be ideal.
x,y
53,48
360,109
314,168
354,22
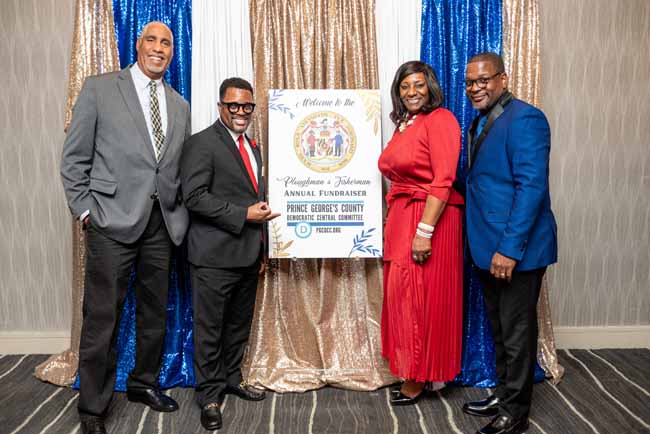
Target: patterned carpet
x,y
604,391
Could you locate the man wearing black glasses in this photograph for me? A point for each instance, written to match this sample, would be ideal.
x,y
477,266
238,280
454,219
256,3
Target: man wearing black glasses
x,y
511,232
221,174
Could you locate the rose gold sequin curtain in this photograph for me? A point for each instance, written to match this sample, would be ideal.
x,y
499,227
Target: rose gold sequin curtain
x,y
94,51
521,48
521,24
316,321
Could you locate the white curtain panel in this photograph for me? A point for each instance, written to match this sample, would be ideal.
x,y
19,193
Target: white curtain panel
x,y
398,41
221,48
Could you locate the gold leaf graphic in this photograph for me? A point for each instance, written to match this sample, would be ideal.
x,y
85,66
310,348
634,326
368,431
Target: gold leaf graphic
x,y
372,103
279,247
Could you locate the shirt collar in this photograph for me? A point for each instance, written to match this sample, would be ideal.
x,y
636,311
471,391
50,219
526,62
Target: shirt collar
x,y
234,135
140,80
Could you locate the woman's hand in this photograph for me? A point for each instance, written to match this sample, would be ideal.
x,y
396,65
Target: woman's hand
x,y
420,249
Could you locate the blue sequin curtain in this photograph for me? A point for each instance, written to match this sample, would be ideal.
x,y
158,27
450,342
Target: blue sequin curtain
x,y
131,15
452,32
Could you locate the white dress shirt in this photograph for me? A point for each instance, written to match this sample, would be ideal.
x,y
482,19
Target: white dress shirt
x,y
235,137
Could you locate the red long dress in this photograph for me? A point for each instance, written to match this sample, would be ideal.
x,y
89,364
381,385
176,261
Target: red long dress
x,y
421,324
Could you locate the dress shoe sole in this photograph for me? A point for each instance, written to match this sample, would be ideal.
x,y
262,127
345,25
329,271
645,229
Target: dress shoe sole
x,y
481,413
513,430
403,403
212,427
154,408
255,399
519,430
249,398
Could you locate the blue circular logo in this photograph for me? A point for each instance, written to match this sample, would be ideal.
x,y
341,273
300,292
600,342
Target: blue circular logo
x,y
303,230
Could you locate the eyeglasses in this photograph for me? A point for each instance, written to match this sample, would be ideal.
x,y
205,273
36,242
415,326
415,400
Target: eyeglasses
x,y
233,107
481,83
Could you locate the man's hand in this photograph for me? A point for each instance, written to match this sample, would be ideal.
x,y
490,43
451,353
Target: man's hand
x,y
86,221
420,249
502,266
260,213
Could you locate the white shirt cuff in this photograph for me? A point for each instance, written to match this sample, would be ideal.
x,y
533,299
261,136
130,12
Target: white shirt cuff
x,y
84,215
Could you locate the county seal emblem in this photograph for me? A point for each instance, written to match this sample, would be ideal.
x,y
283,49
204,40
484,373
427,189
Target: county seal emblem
x,y
324,141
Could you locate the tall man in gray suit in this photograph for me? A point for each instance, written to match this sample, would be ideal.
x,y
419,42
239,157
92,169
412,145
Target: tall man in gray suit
x,y
120,171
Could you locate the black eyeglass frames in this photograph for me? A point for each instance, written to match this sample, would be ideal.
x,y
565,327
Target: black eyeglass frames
x,y
480,82
233,107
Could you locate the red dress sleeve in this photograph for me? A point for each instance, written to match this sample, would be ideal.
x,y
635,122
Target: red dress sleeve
x,y
443,134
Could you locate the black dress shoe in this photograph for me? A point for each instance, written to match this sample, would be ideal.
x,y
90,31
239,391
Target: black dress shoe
x,y
488,407
92,425
505,425
245,392
400,399
211,416
154,398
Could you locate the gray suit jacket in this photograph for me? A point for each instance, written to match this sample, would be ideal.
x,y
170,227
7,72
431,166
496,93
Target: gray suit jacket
x,y
108,164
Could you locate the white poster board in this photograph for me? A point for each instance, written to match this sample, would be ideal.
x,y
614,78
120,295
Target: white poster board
x,y
323,176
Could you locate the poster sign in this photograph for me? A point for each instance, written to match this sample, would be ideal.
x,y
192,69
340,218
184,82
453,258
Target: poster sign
x,y
323,176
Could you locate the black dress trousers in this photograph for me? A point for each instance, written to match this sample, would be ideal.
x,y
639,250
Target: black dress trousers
x,y
512,310
108,268
223,300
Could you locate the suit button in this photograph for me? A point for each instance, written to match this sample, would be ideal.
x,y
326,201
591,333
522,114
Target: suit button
x,y
154,196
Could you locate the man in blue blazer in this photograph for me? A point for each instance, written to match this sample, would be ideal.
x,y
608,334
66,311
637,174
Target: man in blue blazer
x,y
511,232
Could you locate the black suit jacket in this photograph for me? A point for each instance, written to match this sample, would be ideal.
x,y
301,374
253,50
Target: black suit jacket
x,y
218,192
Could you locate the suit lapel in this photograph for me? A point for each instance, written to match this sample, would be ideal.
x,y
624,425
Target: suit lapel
x,y
226,138
494,114
127,89
470,141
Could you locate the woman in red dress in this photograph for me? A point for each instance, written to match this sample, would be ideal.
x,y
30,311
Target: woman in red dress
x,y
421,325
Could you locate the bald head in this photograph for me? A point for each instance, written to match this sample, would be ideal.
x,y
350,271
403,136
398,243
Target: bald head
x,y
155,23
155,49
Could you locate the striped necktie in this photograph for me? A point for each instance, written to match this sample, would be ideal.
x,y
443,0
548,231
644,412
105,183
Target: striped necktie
x,y
156,122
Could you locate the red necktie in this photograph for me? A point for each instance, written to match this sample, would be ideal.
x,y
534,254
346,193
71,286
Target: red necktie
x,y
247,160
